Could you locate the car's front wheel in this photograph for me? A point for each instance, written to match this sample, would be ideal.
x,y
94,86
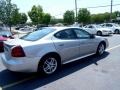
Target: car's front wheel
x,y
99,33
100,49
48,65
116,31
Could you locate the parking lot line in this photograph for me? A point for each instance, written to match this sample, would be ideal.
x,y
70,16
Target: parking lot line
x,y
27,79
16,83
109,49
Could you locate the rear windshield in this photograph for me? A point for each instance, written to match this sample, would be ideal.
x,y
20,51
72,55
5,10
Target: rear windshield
x,y
36,35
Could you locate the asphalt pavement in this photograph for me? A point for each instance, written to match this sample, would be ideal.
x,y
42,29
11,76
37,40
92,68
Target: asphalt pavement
x,y
91,73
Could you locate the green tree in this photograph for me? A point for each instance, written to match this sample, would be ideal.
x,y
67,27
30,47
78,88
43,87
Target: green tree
x,y
9,13
106,17
84,16
69,17
46,18
97,18
55,20
6,8
36,14
117,13
23,18
15,17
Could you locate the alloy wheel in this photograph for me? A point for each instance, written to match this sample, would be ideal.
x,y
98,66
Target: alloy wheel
x,y
116,31
50,65
99,33
101,49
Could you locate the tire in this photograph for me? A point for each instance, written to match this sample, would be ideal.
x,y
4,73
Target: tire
x,y
116,31
99,33
100,49
48,65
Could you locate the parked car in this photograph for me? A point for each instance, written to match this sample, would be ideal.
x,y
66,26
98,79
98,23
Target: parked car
x,y
18,27
47,49
3,27
114,27
97,29
76,24
4,35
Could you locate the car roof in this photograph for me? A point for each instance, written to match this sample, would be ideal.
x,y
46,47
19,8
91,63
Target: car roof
x,y
61,28
109,23
91,24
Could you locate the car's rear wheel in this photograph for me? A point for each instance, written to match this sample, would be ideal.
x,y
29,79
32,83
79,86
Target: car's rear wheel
x,y
100,49
48,65
116,31
99,33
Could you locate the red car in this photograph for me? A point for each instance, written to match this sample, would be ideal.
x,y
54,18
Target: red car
x,y
4,35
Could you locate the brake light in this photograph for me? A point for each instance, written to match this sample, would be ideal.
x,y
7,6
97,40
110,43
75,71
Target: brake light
x,y
18,52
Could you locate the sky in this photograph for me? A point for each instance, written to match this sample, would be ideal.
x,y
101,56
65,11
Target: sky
x,y
58,7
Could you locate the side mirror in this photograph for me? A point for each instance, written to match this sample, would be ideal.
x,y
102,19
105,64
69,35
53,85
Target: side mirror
x,y
92,36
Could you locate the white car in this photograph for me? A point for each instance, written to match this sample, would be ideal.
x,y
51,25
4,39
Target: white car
x,y
3,27
114,27
97,29
47,49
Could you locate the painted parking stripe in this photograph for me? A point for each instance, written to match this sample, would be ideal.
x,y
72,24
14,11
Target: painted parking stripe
x,y
19,82
109,49
27,79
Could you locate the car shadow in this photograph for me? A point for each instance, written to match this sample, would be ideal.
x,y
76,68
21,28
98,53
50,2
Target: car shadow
x,y
7,77
107,35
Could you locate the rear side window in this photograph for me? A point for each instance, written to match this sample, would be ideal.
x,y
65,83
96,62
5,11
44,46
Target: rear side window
x,y
90,27
81,34
109,25
36,35
65,34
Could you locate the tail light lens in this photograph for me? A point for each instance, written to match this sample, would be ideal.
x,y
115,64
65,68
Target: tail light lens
x,y
18,52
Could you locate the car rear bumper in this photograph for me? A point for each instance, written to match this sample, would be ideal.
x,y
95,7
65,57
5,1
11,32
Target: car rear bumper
x,y
23,65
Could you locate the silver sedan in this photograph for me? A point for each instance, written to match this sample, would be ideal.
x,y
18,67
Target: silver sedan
x,y
47,49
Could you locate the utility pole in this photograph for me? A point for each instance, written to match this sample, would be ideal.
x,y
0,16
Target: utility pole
x,y
76,10
111,7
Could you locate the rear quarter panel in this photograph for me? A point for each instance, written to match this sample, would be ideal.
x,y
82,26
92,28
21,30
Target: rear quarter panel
x,y
39,49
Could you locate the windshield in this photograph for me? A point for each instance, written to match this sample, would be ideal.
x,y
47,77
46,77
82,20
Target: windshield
x,y
36,35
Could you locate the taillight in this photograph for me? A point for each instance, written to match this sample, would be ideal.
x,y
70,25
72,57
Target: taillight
x,y
18,51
